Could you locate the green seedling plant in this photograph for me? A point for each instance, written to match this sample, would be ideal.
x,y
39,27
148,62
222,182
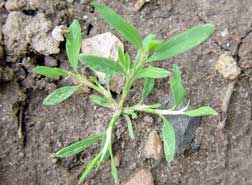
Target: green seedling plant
x,y
149,50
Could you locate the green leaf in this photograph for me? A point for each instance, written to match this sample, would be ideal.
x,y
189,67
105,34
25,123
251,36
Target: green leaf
x,y
106,157
182,42
148,86
154,106
202,111
73,43
77,147
152,72
169,140
129,32
150,43
89,167
177,88
101,64
133,115
50,71
113,167
130,127
137,58
59,95
127,62
124,59
100,101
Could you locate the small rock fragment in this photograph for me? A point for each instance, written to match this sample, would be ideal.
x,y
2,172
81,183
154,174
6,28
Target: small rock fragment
x,y
153,147
117,159
58,32
227,67
50,61
139,4
142,177
224,33
148,119
105,45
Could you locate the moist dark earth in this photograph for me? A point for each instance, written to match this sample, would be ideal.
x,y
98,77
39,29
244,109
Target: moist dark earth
x,y
30,133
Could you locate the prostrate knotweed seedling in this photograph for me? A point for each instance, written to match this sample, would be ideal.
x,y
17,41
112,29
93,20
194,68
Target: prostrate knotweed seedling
x,y
149,50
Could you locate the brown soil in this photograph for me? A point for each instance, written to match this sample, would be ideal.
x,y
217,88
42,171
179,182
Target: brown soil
x,y
224,157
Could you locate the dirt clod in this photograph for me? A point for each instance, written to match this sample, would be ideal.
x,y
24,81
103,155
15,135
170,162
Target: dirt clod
x,y
227,67
21,30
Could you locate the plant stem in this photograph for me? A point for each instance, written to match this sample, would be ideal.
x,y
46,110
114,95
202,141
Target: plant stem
x,y
129,81
100,89
145,108
109,132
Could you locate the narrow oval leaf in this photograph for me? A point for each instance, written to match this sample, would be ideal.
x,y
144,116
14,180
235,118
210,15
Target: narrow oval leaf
x,y
130,127
101,64
152,72
73,43
182,42
127,62
113,167
77,147
202,111
106,157
154,106
176,85
59,95
129,32
148,86
168,134
89,167
100,101
50,71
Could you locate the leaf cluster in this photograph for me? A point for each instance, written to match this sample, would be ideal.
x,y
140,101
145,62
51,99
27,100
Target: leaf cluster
x,y
149,50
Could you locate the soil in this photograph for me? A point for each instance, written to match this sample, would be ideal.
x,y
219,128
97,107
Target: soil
x,y
30,133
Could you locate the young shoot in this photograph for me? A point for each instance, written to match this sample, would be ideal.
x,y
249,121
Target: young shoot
x,y
149,50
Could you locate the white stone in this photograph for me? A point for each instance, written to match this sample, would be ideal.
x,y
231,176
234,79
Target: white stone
x,y
105,45
141,177
227,67
58,32
153,147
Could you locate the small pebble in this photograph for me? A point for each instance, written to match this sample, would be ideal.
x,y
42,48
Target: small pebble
x,y
141,177
153,147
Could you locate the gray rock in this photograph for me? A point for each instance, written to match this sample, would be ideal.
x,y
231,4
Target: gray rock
x,y
21,30
184,127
